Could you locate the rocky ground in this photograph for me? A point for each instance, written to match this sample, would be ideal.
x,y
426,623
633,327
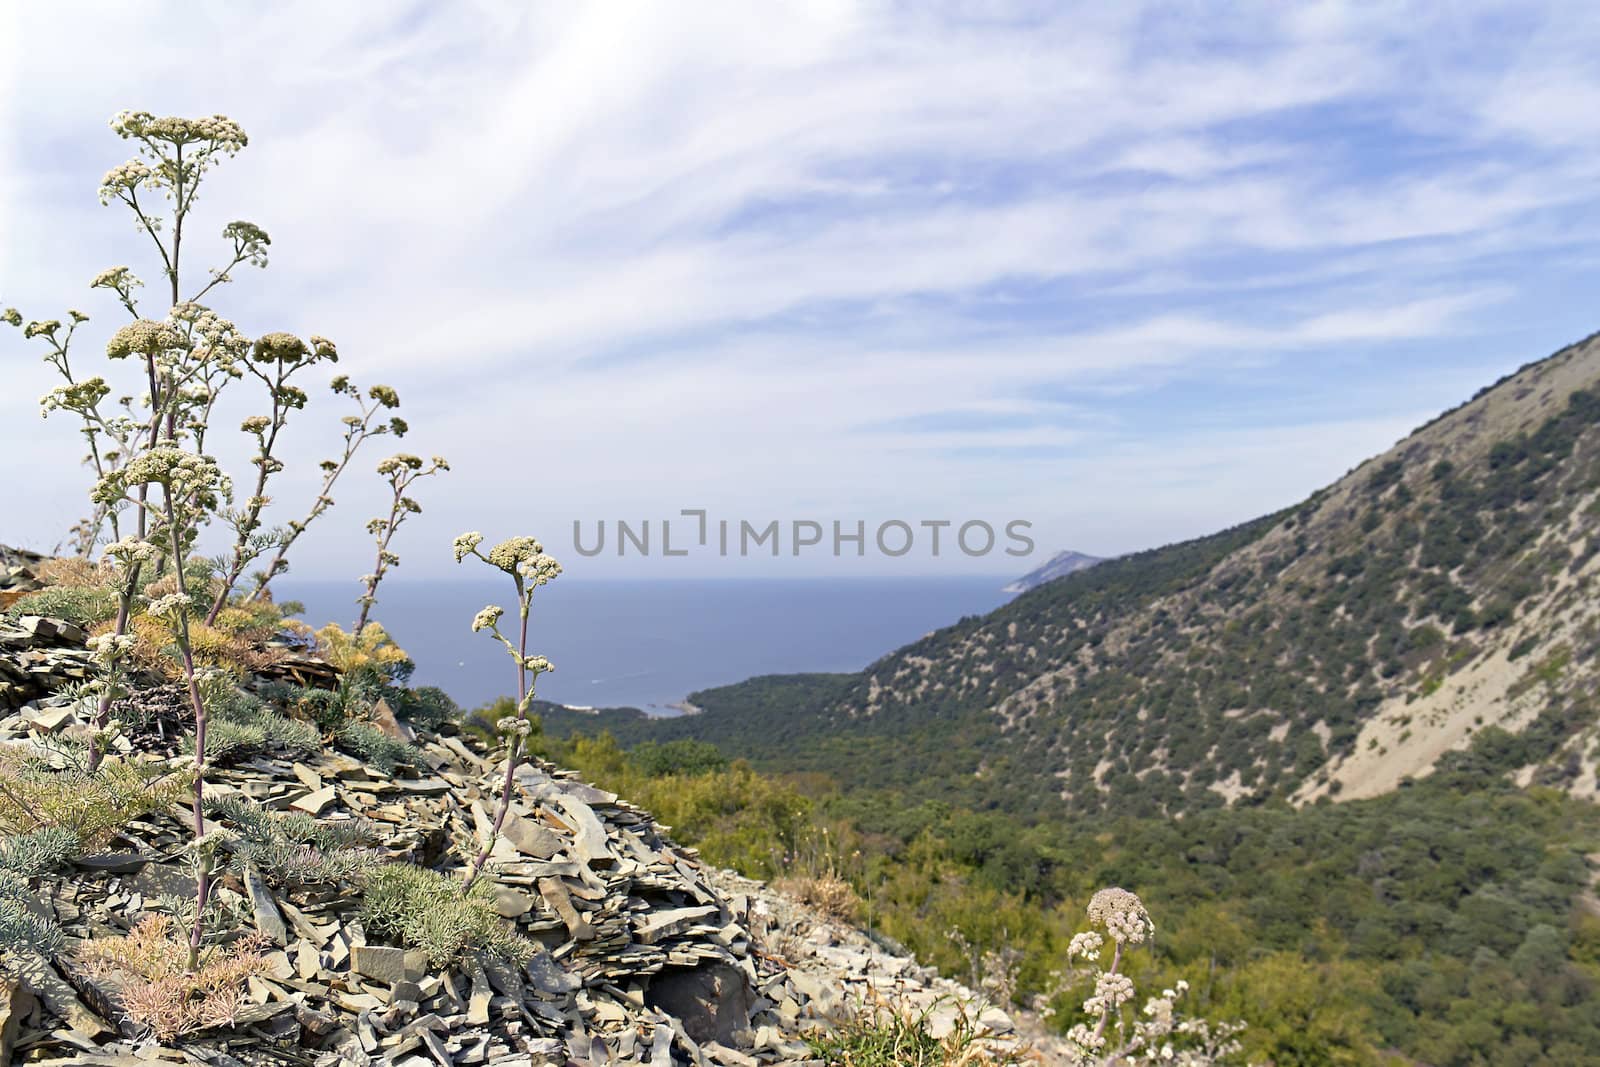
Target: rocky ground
x,y
642,953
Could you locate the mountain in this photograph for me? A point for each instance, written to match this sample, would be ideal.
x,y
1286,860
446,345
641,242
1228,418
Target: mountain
x,y
1436,606
1057,566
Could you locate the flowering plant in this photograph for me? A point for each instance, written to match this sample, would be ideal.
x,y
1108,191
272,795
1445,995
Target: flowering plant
x,y
400,470
1112,1033
524,560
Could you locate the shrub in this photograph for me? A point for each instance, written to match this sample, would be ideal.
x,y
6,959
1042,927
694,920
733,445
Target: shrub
x,y
684,756
246,726
826,892
90,806
30,855
430,707
294,849
375,747
431,911
154,988
84,605
372,647
20,928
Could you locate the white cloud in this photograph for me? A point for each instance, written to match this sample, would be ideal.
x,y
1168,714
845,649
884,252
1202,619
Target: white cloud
x,y
636,256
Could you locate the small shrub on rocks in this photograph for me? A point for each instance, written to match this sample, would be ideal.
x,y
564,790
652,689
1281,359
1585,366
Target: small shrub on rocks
x,y
292,849
92,806
158,992
424,909
375,747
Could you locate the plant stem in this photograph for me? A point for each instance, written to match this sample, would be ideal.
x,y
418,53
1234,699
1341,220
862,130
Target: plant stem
x,y
514,754
383,547
252,516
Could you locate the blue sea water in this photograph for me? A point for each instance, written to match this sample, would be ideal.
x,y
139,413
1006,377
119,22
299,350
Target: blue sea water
x,y
649,644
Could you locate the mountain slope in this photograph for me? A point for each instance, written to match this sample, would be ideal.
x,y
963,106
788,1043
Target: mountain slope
x,y
1443,587
1057,566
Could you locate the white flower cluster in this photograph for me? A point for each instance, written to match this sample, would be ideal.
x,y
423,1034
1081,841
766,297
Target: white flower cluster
x,y
1122,914
537,664
219,131
514,725
80,397
130,550
467,544
109,647
125,178
194,480
221,341
249,241
541,570
280,347
118,278
1085,946
488,618
256,424
144,337
511,553
171,606
1111,991
401,461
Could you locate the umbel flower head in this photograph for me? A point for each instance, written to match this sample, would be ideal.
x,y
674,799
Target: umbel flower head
x,y
509,554
541,570
279,348
125,178
487,618
219,131
79,396
1122,914
130,550
143,337
194,479
467,544
398,462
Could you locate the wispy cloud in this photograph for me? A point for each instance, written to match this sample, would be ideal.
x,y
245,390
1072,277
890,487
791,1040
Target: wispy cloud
x,y
842,256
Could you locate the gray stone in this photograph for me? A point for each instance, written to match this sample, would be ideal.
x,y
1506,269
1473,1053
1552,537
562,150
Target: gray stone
x,y
16,1003
268,919
389,965
667,922
529,837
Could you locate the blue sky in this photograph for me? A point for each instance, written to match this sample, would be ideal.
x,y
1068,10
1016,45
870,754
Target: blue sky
x,y
1132,273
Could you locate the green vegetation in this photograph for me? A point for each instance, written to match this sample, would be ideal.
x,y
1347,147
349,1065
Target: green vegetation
x,y
892,1036
424,909
1438,921
1251,657
294,849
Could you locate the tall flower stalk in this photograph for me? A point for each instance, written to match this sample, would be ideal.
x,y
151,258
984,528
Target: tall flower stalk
x,y
400,470
192,488
524,560
357,429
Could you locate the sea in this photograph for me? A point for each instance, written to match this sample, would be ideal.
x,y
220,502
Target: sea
x,y
649,644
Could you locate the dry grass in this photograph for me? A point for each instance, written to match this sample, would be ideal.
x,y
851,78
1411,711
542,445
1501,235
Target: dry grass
x,y
231,645
146,972
826,892
76,573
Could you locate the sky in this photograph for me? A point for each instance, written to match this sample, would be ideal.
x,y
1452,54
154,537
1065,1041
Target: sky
x,y
1128,273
